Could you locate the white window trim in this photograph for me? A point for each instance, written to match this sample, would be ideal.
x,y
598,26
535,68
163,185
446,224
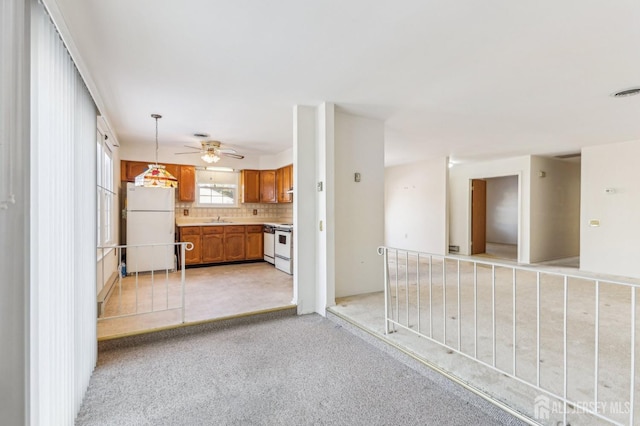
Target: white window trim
x,y
235,204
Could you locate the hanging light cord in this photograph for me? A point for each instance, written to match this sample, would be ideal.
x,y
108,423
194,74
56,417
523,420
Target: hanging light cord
x,y
156,116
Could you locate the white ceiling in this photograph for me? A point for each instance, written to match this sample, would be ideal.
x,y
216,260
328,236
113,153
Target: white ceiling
x,y
470,79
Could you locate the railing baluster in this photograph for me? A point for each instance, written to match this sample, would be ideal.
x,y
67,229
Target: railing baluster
x,y
430,296
475,309
385,253
397,316
596,355
418,287
459,318
513,282
493,310
538,329
166,277
564,354
633,356
406,283
183,279
444,300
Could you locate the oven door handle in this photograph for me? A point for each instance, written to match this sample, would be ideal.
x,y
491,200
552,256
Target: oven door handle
x,y
279,256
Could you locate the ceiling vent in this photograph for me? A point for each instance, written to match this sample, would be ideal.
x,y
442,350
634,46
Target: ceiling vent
x,y
566,156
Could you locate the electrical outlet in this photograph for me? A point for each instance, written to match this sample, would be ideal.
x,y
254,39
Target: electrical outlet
x,y
185,212
255,212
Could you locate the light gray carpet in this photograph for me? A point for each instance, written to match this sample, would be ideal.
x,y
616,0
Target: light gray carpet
x,y
296,370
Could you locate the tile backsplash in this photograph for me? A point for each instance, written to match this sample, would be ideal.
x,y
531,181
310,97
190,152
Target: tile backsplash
x,y
284,210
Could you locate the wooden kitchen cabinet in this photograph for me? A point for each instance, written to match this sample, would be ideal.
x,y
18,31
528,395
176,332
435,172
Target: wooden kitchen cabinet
x,y
130,169
212,244
254,242
234,242
186,183
222,243
284,180
250,181
268,193
192,235
186,176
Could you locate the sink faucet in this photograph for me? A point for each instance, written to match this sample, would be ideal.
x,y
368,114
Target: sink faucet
x,y
218,220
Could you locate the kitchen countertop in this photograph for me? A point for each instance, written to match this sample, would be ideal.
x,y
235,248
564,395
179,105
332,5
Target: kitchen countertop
x,y
212,221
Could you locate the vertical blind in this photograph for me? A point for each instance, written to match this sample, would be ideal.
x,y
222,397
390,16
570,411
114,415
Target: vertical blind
x,y
63,228
14,209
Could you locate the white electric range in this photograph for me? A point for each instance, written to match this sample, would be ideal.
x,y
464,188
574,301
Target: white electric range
x,y
283,246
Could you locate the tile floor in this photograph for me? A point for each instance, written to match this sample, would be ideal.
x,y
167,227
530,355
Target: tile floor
x,y
210,293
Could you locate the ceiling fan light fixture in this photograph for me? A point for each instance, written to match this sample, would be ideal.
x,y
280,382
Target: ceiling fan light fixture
x,y
210,157
156,176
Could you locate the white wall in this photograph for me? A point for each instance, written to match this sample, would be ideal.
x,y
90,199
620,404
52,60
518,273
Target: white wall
x,y
502,210
555,209
14,212
416,206
460,176
359,206
304,209
612,247
268,162
166,154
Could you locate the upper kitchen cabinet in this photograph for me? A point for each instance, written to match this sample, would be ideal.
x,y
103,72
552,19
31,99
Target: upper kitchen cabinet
x,y
186,176
284,179
268,192
130,169
250,186
187,183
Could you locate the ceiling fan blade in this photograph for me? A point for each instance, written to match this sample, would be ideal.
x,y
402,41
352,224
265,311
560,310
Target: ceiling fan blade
x,y
193,147
232,155
180,153
228,151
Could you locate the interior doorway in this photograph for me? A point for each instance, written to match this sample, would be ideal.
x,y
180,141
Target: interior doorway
x,y
494,217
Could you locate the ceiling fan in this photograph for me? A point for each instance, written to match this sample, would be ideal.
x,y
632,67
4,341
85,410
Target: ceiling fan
x,y
212,151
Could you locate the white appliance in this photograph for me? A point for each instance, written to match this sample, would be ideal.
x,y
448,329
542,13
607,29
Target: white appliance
x,y
284,248
269,243
150,220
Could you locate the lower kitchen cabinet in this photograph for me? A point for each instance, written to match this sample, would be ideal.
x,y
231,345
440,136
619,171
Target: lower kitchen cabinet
x,y
212,244
192,235
222,243
234,243
255,245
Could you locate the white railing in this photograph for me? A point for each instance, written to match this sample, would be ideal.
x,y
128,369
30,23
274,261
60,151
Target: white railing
x,y
150,285
570,339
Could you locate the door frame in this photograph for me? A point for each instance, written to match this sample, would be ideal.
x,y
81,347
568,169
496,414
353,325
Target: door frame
x,y
520,212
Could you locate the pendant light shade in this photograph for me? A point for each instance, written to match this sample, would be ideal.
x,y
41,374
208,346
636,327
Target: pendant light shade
x,y
156,176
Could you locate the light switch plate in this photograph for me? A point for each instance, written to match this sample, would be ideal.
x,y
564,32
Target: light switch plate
x,y
594,222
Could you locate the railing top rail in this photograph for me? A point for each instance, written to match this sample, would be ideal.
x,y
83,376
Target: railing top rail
x,y
188,245
632,282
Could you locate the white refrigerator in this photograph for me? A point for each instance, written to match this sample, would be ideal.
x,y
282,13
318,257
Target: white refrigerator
x,y
150,220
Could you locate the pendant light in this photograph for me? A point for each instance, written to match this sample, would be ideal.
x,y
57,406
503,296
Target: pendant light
x,y
156,176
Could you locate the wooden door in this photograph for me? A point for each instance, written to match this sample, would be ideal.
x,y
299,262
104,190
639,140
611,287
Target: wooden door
x,y
191,234
134,168
285,183
268,186
234,243
254,243
212,248
478,216
187,183
250,186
